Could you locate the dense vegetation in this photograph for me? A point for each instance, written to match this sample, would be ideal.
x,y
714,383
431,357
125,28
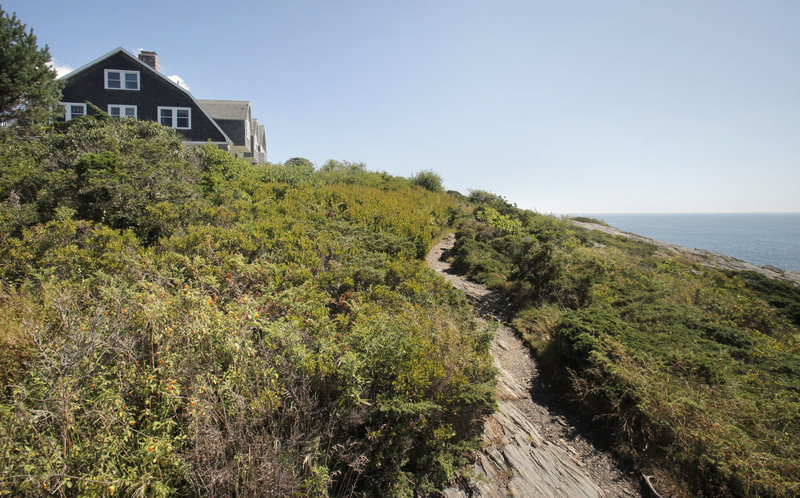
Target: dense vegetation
x,y
175,321
696,372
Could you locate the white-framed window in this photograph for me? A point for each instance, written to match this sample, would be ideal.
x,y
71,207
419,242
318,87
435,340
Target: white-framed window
x,y
73,110
175,117
117,79
122,111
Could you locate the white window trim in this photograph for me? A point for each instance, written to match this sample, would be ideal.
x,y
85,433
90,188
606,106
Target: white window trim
x,y
122,74
122,109
68,109
175,117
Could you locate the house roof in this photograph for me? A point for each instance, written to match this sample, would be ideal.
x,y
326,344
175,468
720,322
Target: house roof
x,y
152,70
226,109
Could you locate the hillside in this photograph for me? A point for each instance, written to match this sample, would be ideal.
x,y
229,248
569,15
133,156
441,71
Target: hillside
x,y
175,321
694,372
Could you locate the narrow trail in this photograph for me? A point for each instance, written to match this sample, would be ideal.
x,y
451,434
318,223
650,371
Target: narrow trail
x,y
528,449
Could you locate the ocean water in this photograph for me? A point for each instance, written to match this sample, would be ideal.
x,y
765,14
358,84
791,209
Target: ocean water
x,y
758,238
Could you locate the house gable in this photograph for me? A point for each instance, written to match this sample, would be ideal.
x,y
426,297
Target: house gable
x,y
232,116
156,93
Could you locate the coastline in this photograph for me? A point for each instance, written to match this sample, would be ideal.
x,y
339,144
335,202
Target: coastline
x,y
701,256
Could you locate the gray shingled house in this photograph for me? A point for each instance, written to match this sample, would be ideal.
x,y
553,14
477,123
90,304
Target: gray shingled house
x,y
127,86
236,120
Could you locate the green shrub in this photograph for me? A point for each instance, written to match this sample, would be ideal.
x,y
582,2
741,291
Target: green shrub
x,y
783,296
178,322
429,180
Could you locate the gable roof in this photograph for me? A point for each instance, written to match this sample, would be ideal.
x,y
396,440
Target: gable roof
x,y
226,109
146,67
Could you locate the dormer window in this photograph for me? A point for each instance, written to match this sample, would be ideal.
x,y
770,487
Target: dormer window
x,y
117,79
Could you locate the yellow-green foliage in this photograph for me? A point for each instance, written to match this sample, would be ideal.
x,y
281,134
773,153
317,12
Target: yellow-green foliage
x,y
698,375
242,330
494,219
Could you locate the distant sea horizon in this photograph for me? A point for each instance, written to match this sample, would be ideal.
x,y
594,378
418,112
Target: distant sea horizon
x,y
764,239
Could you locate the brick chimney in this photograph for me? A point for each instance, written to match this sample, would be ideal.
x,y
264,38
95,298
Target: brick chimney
x,y
150,58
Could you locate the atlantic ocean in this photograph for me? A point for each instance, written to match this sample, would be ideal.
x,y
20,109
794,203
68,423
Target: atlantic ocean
x,y
764,239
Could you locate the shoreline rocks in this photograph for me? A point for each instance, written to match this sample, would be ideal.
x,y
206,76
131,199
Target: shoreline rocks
x,y
700,256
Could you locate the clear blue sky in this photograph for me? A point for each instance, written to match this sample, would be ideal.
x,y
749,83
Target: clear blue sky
x,y
560,106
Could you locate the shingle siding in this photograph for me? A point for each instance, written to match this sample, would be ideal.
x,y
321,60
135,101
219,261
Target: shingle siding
x,y
154,91
221,121
234,129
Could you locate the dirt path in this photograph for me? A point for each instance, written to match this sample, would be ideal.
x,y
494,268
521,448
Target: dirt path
x,y
529,450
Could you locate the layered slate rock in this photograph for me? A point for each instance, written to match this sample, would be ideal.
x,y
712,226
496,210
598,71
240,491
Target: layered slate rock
x,y
517,458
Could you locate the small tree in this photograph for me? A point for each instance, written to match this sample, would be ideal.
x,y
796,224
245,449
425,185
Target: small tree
x,y
428,179
29,89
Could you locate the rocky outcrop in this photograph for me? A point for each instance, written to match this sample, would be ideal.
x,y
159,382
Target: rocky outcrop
x,y
700,256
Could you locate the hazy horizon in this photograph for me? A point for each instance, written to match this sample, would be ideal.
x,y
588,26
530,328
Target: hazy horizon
x,y
682,212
